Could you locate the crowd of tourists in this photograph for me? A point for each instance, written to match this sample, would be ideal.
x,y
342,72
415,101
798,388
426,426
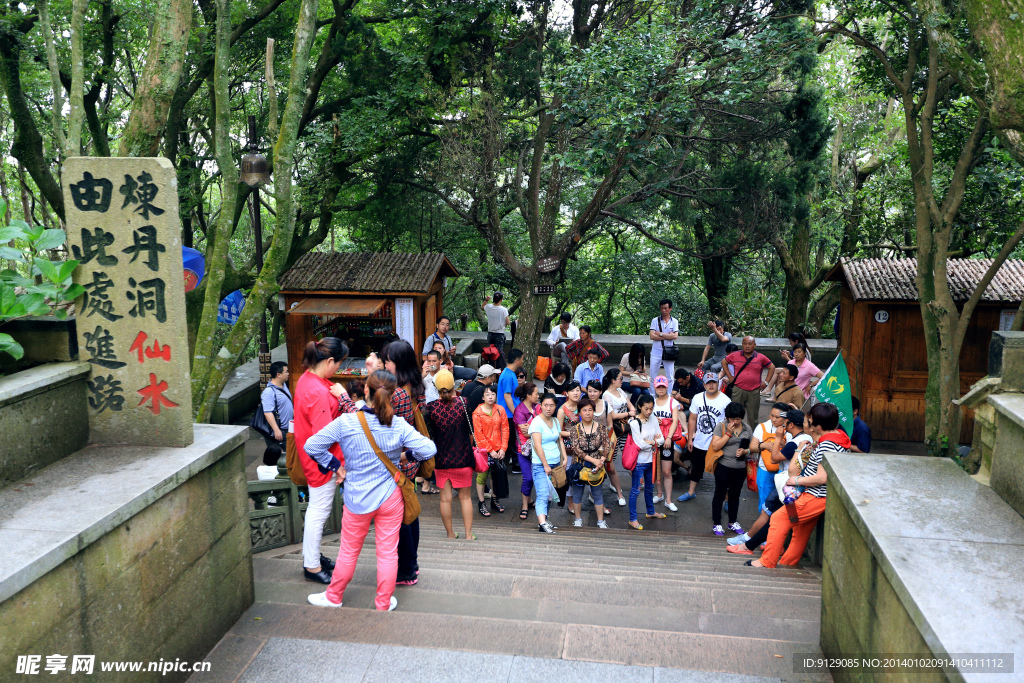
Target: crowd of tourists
x,y
420,424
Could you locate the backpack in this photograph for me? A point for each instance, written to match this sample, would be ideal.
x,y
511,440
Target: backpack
x,y
766,452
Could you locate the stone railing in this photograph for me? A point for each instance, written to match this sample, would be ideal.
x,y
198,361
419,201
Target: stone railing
x,y
278,510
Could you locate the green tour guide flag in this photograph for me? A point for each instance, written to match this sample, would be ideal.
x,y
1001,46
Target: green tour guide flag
x,y
834,388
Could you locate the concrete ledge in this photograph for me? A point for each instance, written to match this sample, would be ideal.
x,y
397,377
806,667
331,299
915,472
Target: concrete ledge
x,y
242,391
823,350
43,417
950,552
1010,406
56,513
28,383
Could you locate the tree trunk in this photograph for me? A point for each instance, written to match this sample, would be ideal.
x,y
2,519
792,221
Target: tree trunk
x,y
532,315
159,80
821,310
265,287
717,275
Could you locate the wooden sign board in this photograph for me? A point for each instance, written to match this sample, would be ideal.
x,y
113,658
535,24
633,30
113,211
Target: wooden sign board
x,y
548,264
543,289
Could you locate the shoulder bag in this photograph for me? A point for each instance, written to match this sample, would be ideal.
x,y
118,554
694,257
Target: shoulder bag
x,y
630,452
295,472
728,389
669,353
259,420
782,476
408,488
766,452
480,455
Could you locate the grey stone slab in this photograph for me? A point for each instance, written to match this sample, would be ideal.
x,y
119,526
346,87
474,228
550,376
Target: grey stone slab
x,y
581,612
663,675
443,666
913,497
539,670
1010,405
742,626
27,383
229,659
956,573
85,495
634,592
318,661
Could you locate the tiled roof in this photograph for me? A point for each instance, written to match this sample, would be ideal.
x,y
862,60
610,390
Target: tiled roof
x,y
366,272
892,279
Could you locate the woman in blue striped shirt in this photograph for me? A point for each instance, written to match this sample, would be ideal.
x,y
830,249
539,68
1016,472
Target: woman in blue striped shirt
x,y
371,494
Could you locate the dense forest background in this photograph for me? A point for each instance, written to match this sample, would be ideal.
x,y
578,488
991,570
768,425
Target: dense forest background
x,y
724,154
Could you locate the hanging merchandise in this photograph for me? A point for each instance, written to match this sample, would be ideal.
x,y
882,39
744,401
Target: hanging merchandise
x,y
231,307
195,267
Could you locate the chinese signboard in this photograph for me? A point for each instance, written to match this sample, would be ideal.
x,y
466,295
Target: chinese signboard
x,y
123,228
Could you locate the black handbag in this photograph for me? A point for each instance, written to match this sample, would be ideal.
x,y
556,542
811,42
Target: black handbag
x,y
260,424
669,353
499,479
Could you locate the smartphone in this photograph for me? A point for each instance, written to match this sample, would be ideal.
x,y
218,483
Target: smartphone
x,y
745,443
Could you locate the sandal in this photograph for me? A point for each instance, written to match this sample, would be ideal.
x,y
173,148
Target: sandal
x,y
524,513
637,527
433,490
483,509
496,506
660,515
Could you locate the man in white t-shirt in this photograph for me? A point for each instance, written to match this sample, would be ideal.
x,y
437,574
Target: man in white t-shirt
x,y
497,321
564,330
664,331
707,409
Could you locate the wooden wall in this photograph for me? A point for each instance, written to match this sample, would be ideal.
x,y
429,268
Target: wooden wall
x,y
888,363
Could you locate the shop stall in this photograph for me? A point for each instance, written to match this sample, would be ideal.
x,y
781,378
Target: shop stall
x,y
365,299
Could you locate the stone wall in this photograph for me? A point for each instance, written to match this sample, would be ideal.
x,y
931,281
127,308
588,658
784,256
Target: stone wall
x,y
167,583
42,417
860,611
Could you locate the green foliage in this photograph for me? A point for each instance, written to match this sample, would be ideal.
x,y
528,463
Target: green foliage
x,y
47,284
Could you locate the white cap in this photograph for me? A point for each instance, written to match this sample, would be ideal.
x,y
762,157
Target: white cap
x,y
485,371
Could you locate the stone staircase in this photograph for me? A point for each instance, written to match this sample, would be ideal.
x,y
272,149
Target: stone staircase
x,y
667,605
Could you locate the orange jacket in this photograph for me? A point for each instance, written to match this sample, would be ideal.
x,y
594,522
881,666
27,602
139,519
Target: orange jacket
x,y
491,430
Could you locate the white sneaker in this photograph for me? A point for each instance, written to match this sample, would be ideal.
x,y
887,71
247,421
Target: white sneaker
x,y
577,522
622,501
602,524
658,499
320,600
672,507
394,604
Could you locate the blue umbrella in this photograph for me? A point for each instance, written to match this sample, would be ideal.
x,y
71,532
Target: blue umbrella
x,y
231,307
195,267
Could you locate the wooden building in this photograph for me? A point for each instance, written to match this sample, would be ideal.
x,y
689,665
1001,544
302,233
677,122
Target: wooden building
x,y
881,335
366,299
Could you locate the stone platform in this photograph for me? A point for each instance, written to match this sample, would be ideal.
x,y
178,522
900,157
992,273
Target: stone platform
x,y
920,559
126,552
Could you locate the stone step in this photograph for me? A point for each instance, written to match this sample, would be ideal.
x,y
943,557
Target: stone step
x,y
714,576
416,599
727,597
366,571
356,623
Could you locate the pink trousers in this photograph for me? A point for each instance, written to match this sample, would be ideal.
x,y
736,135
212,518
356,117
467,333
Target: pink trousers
x,y
387,519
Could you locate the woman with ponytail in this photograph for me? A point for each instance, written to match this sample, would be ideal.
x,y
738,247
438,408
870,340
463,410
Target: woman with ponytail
x,y
316,404
371,494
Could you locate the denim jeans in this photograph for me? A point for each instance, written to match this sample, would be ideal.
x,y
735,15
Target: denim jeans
x,y
542,484
641,472
765,485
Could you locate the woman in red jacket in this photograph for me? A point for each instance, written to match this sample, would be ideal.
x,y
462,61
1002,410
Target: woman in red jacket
x,y
316,405
490,427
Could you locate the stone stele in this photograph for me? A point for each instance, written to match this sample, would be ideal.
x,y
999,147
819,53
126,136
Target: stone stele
x,y
123,228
